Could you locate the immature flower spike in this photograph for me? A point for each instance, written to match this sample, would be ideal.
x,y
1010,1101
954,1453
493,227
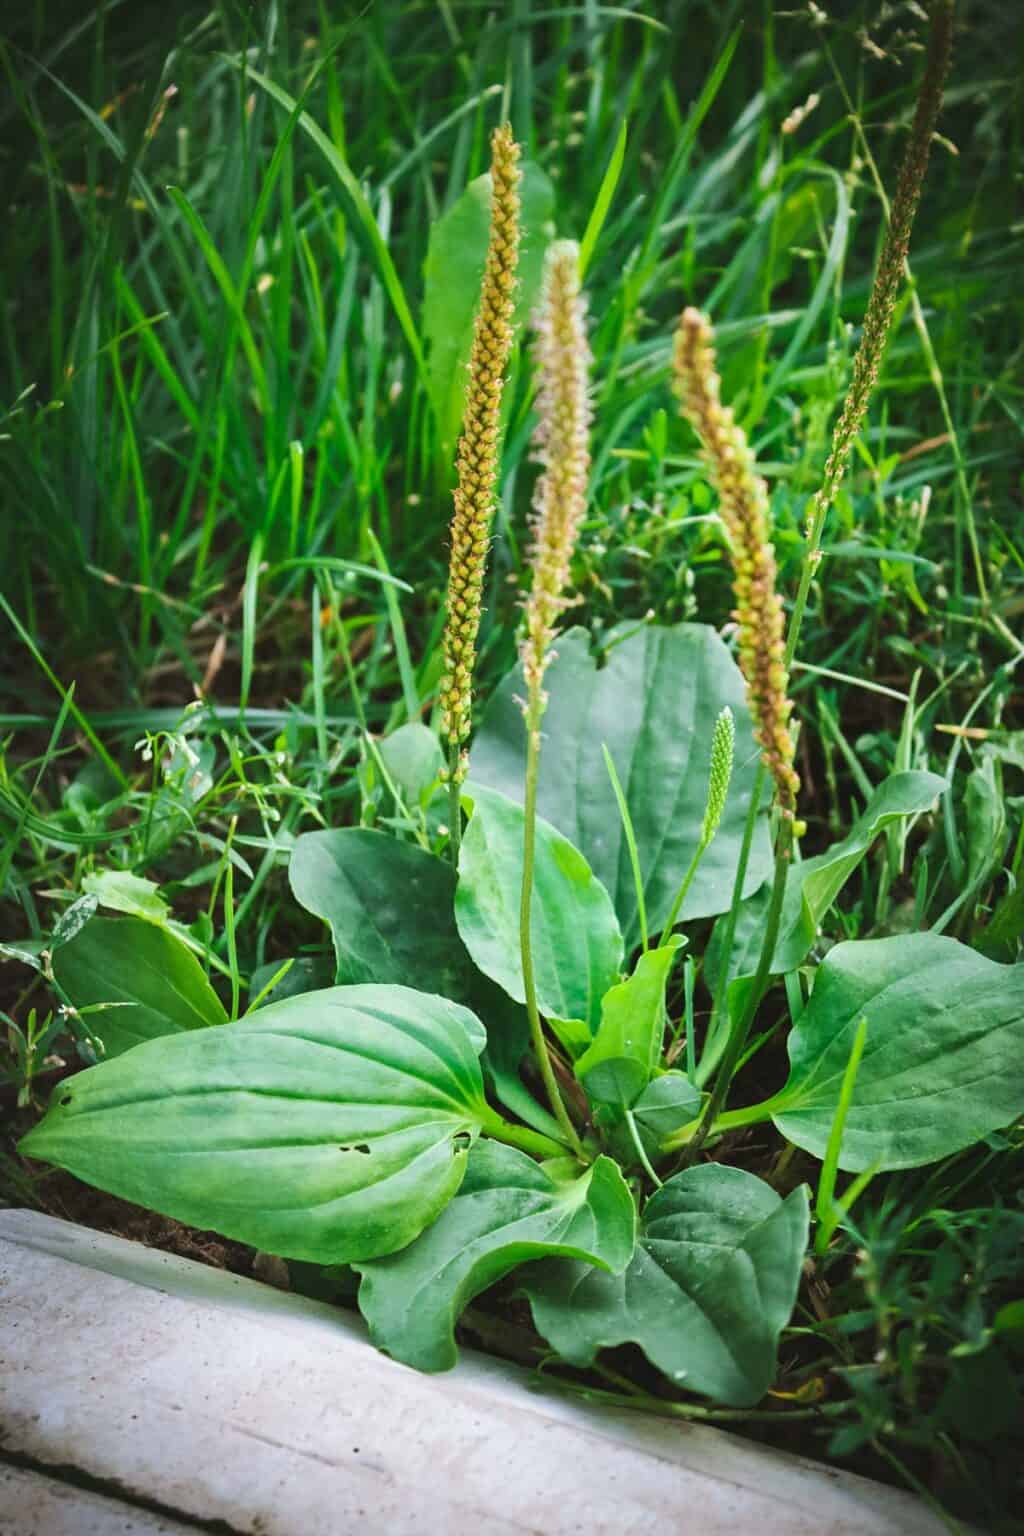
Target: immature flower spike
x,y
723,743
561,443
477,459
744,511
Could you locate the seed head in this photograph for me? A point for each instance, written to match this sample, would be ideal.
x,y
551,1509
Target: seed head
x,y
892,262
477,458
561,444
744,511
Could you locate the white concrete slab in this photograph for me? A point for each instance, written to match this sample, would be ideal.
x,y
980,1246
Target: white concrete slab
x,y
223,1400
33,1505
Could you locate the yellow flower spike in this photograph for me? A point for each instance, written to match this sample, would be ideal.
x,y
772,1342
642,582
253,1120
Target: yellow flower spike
x,y
478,456
561,443
744,511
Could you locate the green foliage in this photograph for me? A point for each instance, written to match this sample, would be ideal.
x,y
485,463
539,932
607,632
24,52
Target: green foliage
x,y
120,891
578,944
388,905
708,1292
412,756
507,1211
223,450
813,885
328,1127
144,980
653,703
624,1055
940,1067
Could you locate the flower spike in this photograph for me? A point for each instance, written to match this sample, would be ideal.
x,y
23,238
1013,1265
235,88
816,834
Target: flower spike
x,y
744,511
561,443
477,459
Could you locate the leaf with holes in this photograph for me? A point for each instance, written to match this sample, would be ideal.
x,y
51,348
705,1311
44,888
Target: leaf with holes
x,y
329,1127
508,1210
653,704
711,1285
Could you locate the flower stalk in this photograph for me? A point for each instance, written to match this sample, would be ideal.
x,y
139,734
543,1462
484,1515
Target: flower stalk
x,y
477,464
882,301
759,614
744,511
561,443
723,743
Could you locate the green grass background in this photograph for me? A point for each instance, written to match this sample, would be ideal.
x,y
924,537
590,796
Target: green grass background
x,y
220,473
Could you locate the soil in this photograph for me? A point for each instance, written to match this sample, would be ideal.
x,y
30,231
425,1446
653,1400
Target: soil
x,y
62,1195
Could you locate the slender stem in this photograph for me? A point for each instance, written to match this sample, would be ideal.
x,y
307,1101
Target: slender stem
x,y
540,1050
709,1056
740,1030
521,1136
673,915
677,1410
750,1114
645,1161
454,804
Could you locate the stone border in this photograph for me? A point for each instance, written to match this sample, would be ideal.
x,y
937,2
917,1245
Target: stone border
x,y
201,1396
34,1505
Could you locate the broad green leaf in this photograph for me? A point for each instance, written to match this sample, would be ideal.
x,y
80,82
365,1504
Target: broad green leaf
x,y
508,1040
942,1063
456,254
710,1287
507,1210
412,756
328,1127
665,1106
131,961
389,906
813,885
668,1103
1000,937
577,946
120,891
625,1052
653,704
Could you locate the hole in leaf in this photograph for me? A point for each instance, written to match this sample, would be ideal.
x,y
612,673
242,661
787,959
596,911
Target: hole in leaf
x,y
461,1142
66,1099
360,1147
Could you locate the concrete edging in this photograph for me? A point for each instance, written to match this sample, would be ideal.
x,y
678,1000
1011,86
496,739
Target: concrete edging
x,y
212,1398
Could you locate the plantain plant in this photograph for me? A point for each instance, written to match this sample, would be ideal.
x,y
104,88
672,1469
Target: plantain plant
x,y
506,1076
